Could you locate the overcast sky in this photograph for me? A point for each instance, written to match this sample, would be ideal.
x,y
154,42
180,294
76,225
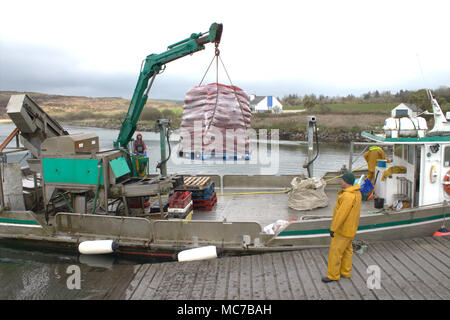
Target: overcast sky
x,y
95,48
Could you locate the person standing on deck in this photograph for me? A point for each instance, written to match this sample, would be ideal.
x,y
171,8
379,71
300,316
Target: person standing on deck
x,y
343,229
139,146
372,156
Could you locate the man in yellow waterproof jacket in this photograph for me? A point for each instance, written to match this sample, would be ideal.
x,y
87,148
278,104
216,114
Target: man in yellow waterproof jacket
x,y
343,229
372,156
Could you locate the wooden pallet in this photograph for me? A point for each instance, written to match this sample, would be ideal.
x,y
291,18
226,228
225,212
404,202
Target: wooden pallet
x,y
195,183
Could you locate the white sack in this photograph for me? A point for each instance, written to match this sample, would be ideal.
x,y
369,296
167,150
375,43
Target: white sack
x,y
307,194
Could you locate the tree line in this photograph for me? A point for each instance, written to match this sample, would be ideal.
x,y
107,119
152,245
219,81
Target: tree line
x,y
418,97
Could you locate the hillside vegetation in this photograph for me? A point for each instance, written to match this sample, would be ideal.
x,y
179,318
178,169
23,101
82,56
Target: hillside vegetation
x,y
350,114
109,111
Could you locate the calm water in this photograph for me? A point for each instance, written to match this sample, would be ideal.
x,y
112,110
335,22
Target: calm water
x,y
283,157
26,274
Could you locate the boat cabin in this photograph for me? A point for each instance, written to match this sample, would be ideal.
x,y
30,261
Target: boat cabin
x,y
419,173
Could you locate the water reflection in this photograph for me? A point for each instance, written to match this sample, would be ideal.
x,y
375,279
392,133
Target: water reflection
x,y
31,274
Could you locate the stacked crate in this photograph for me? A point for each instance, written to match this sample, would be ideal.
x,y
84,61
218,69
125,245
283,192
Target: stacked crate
x,y
180,205
204,197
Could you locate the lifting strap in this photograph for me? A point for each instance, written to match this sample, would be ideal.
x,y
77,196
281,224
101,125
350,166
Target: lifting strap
x,y
217,57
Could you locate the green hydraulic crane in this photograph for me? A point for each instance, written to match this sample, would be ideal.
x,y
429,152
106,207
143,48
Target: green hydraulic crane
x,y
152,65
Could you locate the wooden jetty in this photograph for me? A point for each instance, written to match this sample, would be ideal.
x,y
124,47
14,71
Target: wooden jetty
x,y
413,269
409,269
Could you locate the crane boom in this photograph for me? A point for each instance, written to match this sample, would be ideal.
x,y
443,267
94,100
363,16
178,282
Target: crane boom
x,y
152,65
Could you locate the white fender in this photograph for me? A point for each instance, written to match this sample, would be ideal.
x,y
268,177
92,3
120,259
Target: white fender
x,y
433,174
202,253
97,247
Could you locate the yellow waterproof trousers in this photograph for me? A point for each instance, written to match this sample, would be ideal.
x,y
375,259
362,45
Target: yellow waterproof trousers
x,y
370,175
340,257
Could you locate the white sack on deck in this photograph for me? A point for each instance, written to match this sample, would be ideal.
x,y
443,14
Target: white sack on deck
x,y
275,227
307,194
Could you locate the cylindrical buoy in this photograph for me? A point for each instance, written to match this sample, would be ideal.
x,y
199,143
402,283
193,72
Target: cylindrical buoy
x,y
441,232
97,247
202,253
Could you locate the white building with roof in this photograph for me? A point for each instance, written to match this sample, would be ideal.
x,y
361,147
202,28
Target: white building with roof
x,y
405,110
265,104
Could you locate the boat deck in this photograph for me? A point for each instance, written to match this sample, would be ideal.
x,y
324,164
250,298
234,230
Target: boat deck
x,y
413,269
265,208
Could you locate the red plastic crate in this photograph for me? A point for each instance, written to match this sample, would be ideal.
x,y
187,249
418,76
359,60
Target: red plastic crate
x,y
180,199
205,205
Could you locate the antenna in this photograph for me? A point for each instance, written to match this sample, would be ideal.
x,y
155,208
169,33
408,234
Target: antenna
x,y
421,70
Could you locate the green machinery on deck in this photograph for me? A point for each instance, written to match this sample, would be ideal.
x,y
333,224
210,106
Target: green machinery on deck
x,y
74,163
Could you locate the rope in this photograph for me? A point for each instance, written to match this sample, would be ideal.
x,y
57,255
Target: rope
x,y
234,91
216,55
242,193
207,71
249,193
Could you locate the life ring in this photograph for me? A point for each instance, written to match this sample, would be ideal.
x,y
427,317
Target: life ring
x,y
446,182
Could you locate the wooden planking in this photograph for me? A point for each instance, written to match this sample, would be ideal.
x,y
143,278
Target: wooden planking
x,y
316,275
222,280
245,284
269,282
257,278
134,284
297,290
407,280
281,272
424,271
305,276
397,286
359,280
445,241
439,260
234,279
210,283
416,269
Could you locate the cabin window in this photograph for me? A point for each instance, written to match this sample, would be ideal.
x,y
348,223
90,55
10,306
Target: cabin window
x,y
401,112
447,157
410,154
398,150
405,188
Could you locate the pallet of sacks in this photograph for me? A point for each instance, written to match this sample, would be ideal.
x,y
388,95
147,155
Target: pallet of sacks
x,y
215,123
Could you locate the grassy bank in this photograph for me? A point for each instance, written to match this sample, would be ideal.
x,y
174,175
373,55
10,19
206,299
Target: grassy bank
x,y
348,108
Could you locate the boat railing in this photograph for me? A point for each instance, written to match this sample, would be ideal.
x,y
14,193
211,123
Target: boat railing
x,y
353,159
